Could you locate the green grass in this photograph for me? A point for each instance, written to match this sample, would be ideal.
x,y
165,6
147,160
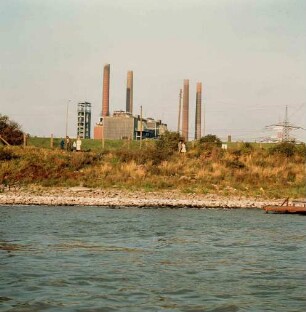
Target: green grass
x,y
43,142
237,145
87,144
96,145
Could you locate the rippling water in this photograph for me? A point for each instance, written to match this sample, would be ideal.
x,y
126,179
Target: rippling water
x,y
97,259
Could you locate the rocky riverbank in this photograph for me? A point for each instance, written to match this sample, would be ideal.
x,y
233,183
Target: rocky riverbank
x,y
80,196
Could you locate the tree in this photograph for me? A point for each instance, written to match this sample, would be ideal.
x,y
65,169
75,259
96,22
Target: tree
x,y
285,148
210,141
10,131
168,142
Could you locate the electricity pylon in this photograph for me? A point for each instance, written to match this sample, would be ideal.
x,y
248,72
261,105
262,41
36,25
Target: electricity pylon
x,y
286,127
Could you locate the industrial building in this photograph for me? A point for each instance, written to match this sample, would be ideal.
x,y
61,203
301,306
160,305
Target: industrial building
x,y
122,124
84,120
125,125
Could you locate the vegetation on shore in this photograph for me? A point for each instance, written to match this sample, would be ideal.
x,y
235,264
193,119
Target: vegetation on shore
x,y
243,169
10,131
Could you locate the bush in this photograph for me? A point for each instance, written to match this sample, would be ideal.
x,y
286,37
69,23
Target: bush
x,y
234,164
145,155
10,131
7,154
211,138
163,148
301,149
285,148
247,148
210,142
168,142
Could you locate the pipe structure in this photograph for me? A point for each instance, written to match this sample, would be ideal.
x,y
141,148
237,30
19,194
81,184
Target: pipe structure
x,y
198,113
105,95
129,92
185,125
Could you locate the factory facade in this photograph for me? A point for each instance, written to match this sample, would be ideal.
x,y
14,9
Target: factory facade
x,y
123,124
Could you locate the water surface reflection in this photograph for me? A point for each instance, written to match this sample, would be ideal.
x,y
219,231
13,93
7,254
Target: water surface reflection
x,y
97,259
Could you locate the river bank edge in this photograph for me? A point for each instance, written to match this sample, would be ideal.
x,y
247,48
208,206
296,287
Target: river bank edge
x,y
81,196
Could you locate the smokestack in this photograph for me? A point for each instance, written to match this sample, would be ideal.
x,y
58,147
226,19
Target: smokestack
x,y
185,110
179,113
198,113
129,92
105,96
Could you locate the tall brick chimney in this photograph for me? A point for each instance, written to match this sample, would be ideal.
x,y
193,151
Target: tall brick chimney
x,y
105,96
185,126
198,113
129,92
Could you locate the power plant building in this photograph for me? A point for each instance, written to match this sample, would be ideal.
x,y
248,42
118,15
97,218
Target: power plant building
x,y
122,124
84,120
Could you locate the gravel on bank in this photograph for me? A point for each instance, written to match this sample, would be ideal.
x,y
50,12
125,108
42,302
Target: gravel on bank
x,y
81,196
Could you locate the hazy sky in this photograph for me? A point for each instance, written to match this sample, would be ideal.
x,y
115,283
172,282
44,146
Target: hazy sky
x,y
248,54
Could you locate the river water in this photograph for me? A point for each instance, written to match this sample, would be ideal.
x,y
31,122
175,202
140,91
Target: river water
x,y
131,259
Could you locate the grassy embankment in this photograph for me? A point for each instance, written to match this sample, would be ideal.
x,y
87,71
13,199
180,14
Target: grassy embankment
x,y
87,144
242,170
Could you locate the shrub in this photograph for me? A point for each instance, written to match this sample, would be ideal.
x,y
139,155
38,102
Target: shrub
x,y
168,142
301,149
209,142
234,164
211,138
7,154
247,148
10,131
285,148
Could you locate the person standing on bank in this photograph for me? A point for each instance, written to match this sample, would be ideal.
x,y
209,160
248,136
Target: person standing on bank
x,y
78,144
183,148
180,146
62,144
68,144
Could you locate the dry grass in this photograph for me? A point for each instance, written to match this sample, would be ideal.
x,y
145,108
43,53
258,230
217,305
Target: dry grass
x,y
253,173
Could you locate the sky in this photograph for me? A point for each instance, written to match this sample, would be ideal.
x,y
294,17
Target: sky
x,y
248,54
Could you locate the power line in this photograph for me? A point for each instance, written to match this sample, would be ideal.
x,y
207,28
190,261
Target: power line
x,y
286,127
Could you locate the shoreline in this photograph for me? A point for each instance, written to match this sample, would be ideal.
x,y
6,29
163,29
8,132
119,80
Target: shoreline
x,y
81,196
